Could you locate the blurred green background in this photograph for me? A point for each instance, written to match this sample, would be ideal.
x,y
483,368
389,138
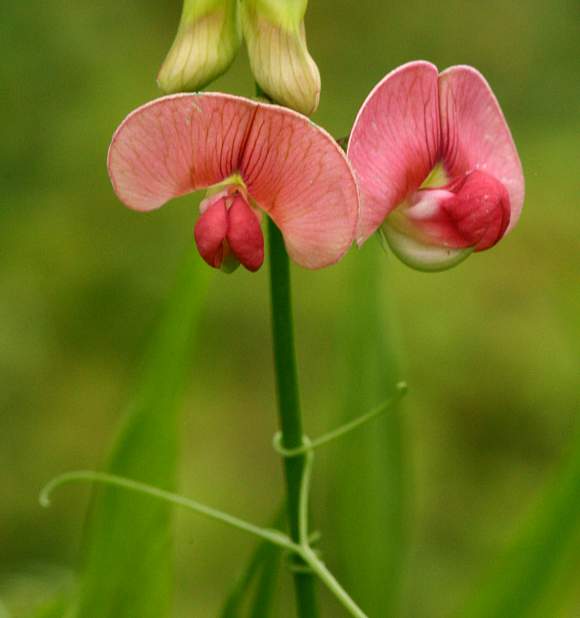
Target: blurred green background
x,y
491,349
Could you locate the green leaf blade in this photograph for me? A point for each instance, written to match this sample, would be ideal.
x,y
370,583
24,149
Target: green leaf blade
x,y
57,608
263,566
128,554
524,579
368,527
265,593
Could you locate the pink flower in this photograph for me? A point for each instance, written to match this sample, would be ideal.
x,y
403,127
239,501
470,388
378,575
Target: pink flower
x,y
437,167
253,157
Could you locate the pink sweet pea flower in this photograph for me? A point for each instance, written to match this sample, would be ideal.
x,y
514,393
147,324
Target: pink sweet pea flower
x,y
254,157
437,167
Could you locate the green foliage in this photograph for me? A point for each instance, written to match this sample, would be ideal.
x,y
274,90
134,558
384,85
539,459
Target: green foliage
x,y
3,611
265,593
128,566
367,526
261,576
523,579
262,567
55,609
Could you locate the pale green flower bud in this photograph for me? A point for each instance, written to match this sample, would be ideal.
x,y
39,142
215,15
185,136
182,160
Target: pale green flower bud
x,y
282,66
207,41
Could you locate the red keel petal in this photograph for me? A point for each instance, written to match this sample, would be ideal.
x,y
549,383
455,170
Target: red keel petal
x,y
480,210
210,232
245,235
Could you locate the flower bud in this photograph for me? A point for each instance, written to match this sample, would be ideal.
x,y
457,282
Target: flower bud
x,y
281,64
207,41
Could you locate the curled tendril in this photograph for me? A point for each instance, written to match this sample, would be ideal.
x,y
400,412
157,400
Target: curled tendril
x,y
273,536
303,549
309,445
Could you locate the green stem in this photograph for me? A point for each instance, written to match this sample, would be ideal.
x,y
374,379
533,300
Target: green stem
x,y
288,405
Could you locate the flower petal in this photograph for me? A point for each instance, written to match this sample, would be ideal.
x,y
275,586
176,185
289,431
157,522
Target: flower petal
x,y
299,175
436,227
475,135
245,235
395,141
210,232
421,255
177,144
293,169
480,209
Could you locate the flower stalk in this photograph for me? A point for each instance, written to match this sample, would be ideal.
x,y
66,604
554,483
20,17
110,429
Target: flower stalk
x,y
289,414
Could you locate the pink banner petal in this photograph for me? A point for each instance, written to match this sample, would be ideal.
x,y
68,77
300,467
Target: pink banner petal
x,y
177,144
299,175
394,143
475,135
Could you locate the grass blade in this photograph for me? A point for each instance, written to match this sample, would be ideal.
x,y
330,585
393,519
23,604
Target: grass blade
x,y
56,609
264,595
263,565
368,518
3,611
523,579
128,562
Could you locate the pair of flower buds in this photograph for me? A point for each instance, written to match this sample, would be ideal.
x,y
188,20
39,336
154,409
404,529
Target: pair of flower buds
x,y
430,163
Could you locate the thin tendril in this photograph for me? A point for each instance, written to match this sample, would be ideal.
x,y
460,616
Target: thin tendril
x,y
313,562
304,550
273,536
345,429
304,495
321,570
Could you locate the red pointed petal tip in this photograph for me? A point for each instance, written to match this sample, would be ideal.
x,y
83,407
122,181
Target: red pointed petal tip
x,y
245,235
293,169
415,118
210,232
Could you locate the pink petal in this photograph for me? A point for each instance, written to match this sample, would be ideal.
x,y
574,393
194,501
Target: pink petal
x,y
394,143
480,210
293,169
177,144
299,175
210,232
472,211
245,235
429,219
475,135
414,119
